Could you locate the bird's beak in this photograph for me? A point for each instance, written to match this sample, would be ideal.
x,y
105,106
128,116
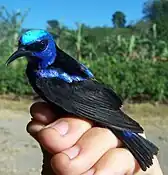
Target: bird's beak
x,y
19,53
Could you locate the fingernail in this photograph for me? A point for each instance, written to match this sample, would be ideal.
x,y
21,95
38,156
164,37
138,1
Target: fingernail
x,y
72,152
61,127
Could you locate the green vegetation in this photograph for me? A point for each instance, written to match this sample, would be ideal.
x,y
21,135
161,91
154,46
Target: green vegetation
x,y
132,59
118,19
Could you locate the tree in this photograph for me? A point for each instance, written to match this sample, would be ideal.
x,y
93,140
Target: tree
x,y
80,43
10,29
56,29
156,11
119,19
76,39
141,27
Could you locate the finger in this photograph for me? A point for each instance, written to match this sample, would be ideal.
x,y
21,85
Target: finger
x,y
42,115
34,127
114,162
86,152
63,133
42,112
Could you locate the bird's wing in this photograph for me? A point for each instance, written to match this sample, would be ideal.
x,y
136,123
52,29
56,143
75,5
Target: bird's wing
x,y
88,99
70,65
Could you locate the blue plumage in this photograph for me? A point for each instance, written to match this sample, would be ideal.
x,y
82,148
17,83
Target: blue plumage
x,y
58,73
128,134
87,71
32,36
77,78
48,55
79,93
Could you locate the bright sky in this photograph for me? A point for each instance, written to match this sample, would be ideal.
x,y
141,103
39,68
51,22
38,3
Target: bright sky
x,y
90,12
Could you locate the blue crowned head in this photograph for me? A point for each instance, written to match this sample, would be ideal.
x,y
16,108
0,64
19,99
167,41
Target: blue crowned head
x,y
38,45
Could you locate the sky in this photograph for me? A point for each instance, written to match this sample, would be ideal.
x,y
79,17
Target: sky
x,y
90,12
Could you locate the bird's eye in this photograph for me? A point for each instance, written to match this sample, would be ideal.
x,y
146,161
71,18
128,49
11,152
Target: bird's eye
x,y
38,46
42,45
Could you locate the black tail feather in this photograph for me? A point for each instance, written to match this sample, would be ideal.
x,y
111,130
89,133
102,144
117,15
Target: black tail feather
x,y
143,150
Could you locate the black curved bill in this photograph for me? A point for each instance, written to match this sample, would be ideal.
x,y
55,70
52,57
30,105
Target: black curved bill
x,y
17,54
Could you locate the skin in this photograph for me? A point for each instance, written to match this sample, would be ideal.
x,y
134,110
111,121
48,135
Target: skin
x,y
81,148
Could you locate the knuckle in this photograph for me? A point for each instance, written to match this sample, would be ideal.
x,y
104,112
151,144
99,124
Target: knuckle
x,y
102,131
106,136
61,163
121,153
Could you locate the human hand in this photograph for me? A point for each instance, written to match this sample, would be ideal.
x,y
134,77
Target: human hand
x,y
80,148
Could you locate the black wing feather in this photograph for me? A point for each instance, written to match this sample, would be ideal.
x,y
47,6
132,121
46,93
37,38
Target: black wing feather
x,y
88,99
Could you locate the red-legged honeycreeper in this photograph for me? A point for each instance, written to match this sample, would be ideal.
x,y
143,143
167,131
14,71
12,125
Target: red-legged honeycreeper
x,y
61,80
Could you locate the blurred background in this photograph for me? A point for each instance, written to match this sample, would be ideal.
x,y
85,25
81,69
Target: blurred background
x,y
124,43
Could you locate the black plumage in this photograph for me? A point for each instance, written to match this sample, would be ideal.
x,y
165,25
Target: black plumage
x,y
93,100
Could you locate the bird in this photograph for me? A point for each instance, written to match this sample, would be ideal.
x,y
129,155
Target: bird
x,y
64,82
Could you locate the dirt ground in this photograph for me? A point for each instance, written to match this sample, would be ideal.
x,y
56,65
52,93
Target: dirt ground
x,y
20,154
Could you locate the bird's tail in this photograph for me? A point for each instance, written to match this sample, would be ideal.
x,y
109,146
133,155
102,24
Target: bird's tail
x,y
142,149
